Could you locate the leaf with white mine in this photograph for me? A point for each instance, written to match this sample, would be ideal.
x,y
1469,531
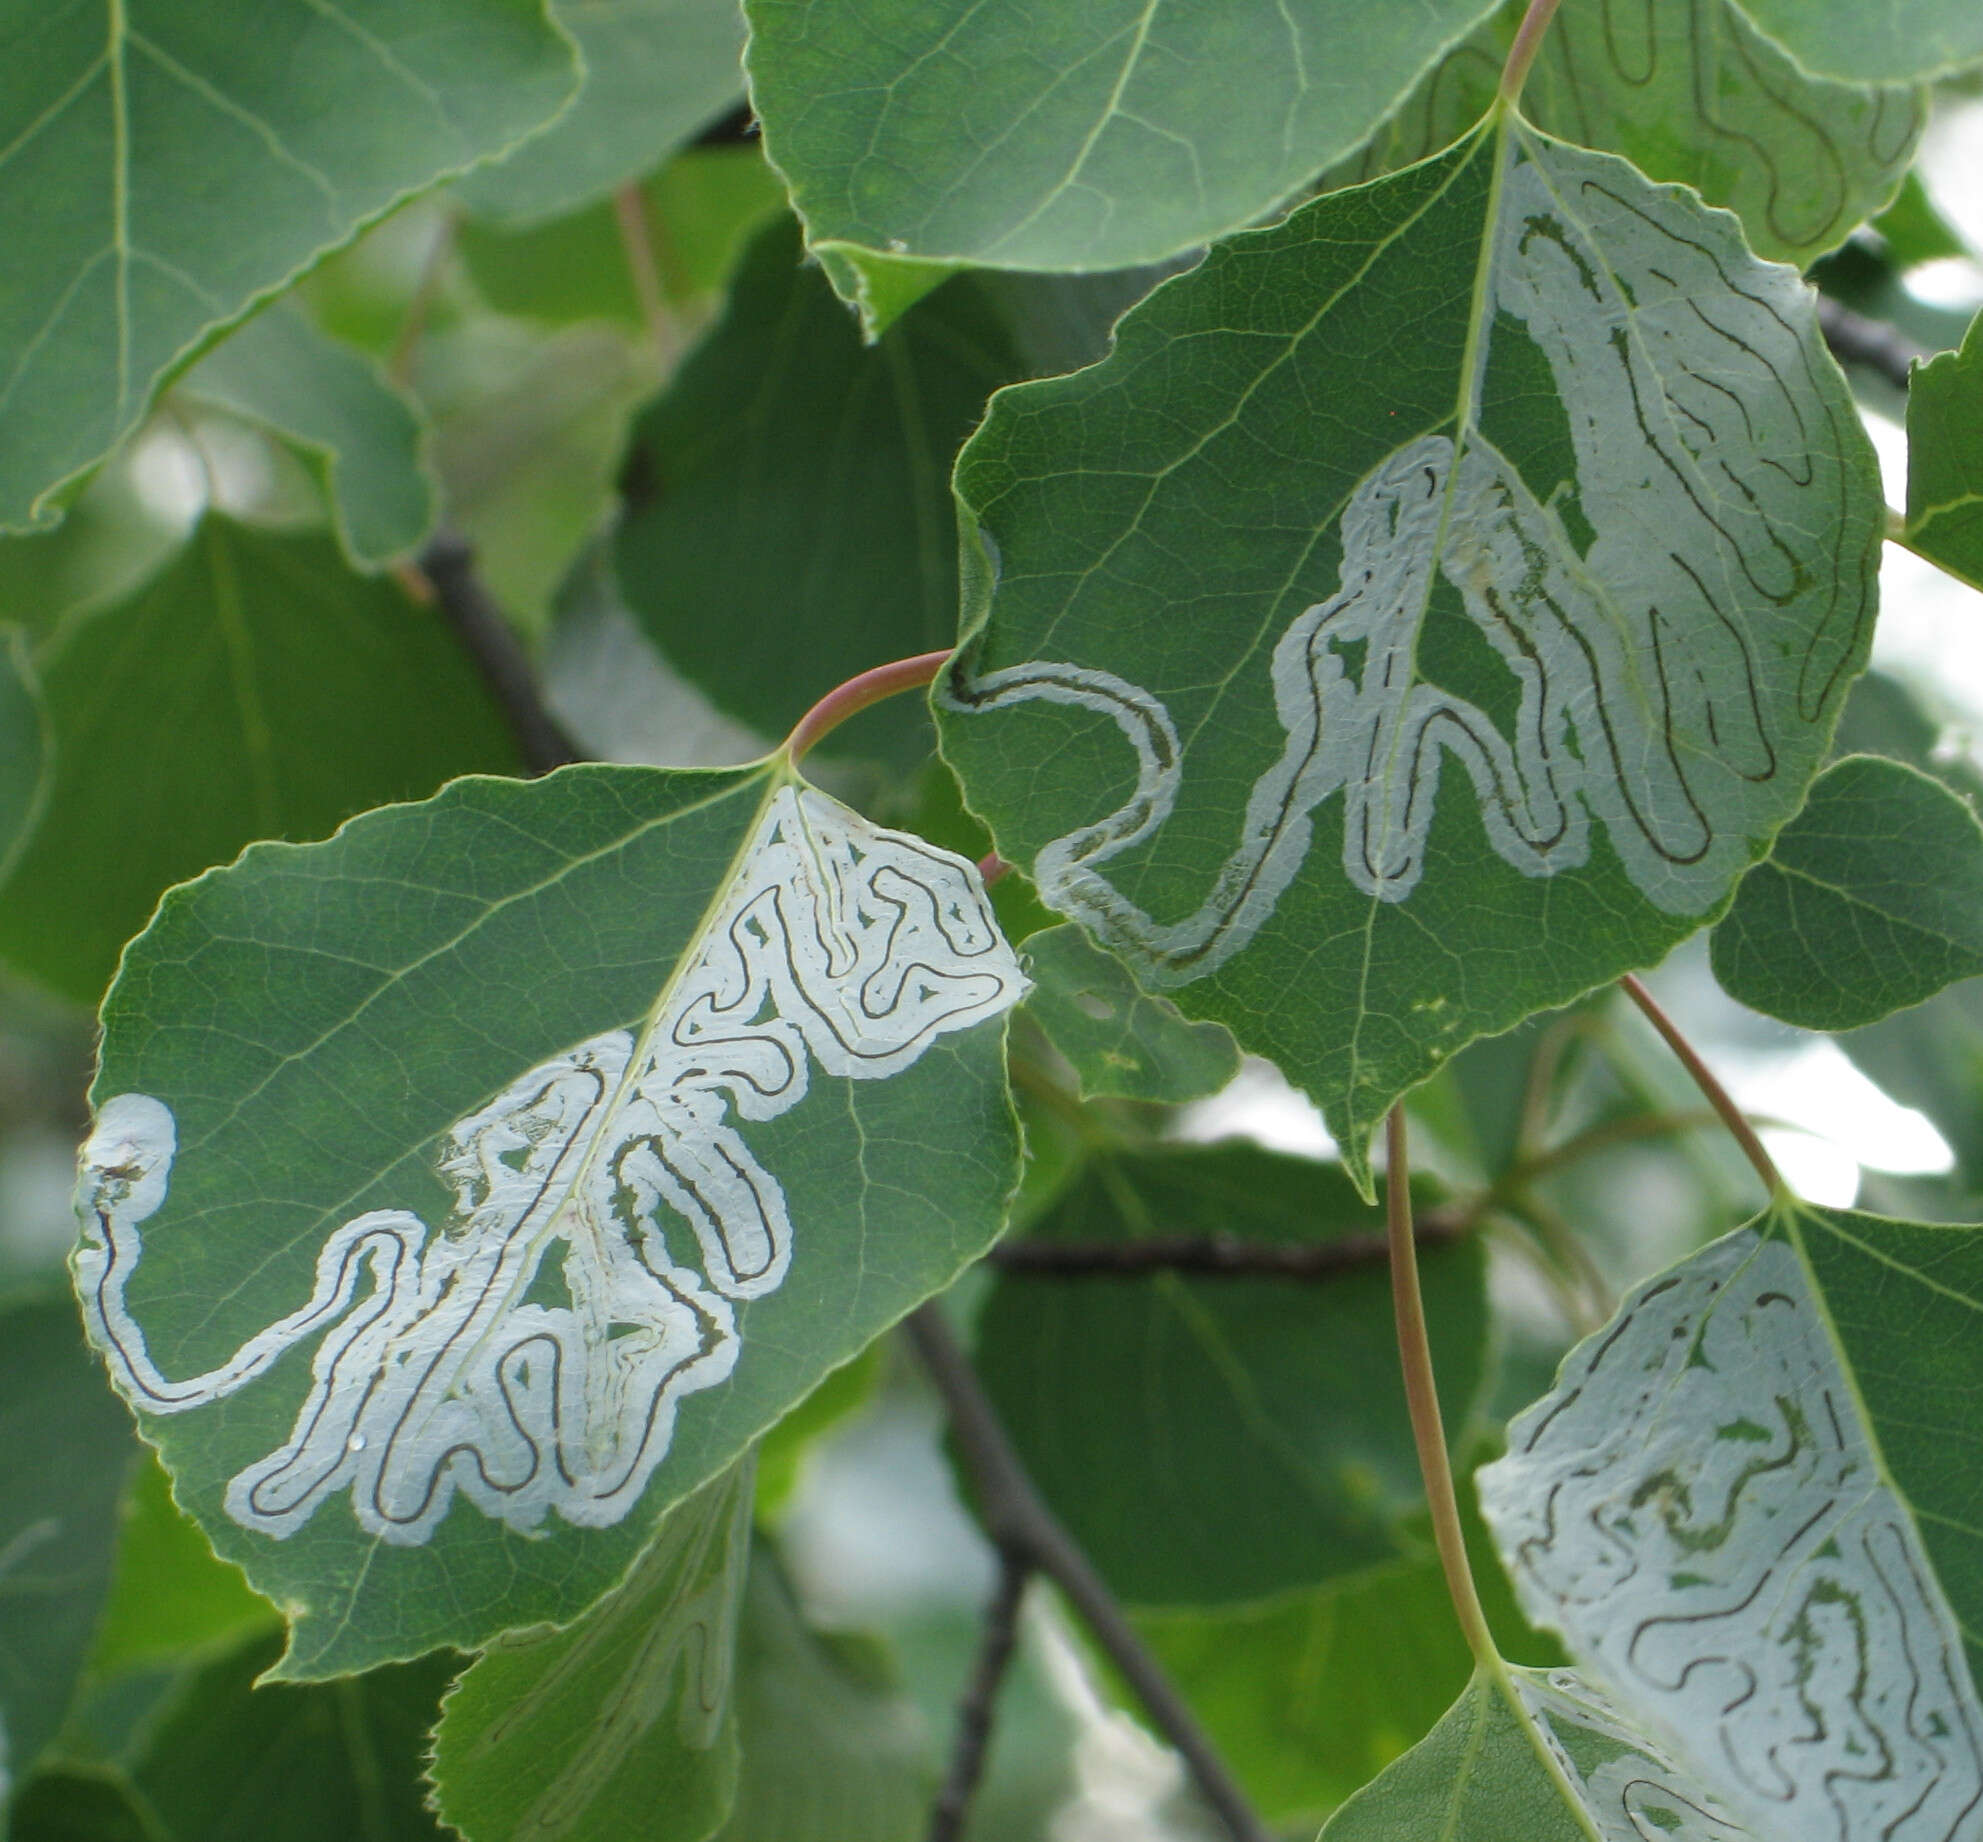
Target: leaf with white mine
x,y
1425,614
469,1189
1744,1509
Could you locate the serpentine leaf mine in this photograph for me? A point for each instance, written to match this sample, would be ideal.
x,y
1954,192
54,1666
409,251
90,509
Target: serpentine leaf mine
x,y
1701,1509
448,1362
1673,624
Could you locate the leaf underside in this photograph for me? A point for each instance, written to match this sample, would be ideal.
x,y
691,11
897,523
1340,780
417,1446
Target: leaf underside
x,y
936,131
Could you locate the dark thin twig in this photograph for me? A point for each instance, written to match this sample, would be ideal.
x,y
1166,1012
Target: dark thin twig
x,y
1879,345
448,563
974,1711
1211,1256
1019,1522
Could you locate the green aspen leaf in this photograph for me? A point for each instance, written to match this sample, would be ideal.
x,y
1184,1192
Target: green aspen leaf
x,y
1121,1043
1896,42
1945,459
170,1596
26,749
362,437
447,1176
1871,900
1237,1437
1932,1058
795,483
65,1449
655,72
1539,1754
703,207
833,1750
228,1761
1691,94
164,169
1266,553
621,1724
1092,137
1744,1508
254,688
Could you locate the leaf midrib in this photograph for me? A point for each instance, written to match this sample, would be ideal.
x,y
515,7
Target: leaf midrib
x,y
278,1252
1473,366
399,973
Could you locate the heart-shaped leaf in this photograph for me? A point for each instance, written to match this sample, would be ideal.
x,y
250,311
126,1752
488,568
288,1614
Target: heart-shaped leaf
x,y
455,1178
289,693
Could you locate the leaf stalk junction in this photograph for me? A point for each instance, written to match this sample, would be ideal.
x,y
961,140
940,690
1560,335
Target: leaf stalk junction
x,y
860,693
1029,1539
